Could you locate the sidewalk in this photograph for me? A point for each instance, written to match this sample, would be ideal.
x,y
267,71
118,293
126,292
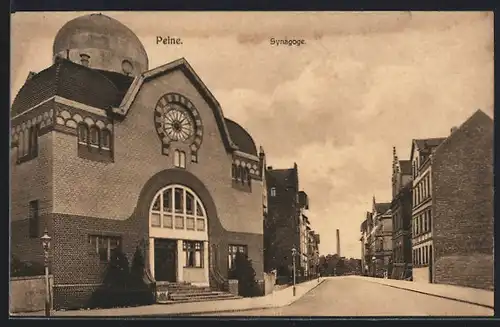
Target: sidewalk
x,y
276,299
474,296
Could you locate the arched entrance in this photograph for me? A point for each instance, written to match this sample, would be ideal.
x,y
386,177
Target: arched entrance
x,y
178,233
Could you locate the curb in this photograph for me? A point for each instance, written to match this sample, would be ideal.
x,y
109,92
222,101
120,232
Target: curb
x,y
244,309
439,296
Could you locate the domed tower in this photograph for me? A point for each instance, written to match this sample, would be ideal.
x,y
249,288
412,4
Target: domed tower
x,y
103,43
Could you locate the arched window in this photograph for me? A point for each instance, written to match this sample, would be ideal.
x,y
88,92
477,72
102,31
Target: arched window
x,y
177,207
244,176
20,145
182,159
26,142
94,136
234,171
105,139
83,134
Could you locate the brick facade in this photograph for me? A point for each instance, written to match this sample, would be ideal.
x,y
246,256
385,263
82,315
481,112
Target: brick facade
x,y
79,197
282,231
462,175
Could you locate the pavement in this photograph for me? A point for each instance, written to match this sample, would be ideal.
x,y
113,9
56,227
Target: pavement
x,y
278,298
371,297
474,296
330,296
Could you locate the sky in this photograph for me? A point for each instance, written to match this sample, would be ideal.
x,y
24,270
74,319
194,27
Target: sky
x,y
362,83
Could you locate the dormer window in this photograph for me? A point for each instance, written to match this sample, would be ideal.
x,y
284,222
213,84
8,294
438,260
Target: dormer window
x,y
273,191
85,59
127,67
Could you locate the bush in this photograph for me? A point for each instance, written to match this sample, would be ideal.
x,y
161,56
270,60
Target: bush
x,y
123,286
20,268
244,272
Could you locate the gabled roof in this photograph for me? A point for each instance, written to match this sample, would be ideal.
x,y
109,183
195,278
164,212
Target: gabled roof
x,y
382,207
405,166
74,82
479,117
284,177
425,145
183,65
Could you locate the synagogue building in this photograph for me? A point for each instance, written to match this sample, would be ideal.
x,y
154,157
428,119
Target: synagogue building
x,y
109,153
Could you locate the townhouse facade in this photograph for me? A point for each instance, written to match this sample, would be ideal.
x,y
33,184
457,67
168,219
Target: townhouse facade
x,y
401,209
453,206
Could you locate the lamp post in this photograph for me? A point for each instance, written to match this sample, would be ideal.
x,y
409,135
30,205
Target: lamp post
x,y
374,259
317,264
46,247
294,253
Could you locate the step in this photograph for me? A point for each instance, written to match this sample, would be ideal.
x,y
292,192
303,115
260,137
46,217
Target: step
x,y
199,299
192,296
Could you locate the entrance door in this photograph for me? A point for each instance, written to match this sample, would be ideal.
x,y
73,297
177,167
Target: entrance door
x,y
165,260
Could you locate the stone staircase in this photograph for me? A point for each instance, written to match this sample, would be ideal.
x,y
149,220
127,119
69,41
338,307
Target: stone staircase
x,y
167,293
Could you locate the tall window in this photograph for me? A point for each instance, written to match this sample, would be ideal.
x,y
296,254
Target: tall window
x,y
83,134
94,136
179,159
178,207
105,246
273,191
194,254
233,250
105,139
33,219
28,143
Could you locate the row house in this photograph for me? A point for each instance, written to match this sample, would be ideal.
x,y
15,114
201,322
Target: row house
x,y
286,223
377,240
441,209
401,209
452,214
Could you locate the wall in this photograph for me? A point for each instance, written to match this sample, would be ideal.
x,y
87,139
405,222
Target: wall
x,y
31,180
269,281
27,294
421,275
463,206
282,232
100,192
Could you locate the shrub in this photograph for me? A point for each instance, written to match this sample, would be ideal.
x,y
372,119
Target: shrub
x,y
20,268
244,272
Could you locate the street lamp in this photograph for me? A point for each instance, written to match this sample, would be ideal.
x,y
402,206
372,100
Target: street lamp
x,y
46,247
294,253
374,260
317,264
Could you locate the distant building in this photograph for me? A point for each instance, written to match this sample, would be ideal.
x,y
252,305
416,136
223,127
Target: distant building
x,y
313,253
401,209
453,206
379,239
365,255
285,221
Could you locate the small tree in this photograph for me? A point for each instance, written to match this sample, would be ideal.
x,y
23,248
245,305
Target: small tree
x,y
244,272
118,274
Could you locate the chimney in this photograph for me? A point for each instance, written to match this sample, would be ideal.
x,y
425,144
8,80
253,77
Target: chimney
x,y
453,129
338,242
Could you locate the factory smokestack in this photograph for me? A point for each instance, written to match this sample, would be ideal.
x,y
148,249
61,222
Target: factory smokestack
x,y
338,242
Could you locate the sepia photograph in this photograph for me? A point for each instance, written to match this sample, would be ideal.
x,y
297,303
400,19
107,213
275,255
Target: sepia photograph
x,y
251,164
